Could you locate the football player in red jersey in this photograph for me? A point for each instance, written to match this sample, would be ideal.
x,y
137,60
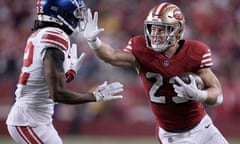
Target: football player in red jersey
x,y
50,60
160,56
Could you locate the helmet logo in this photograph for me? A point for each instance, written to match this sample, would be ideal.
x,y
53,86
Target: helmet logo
x,y
177,14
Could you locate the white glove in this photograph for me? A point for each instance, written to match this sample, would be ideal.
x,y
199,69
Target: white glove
x,y
72,63
92,31
189,91
107,92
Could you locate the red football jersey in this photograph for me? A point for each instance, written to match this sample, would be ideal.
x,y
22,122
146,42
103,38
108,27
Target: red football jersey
x,y
156,70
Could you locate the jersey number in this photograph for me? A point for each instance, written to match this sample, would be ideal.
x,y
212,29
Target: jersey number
x,y
27,61
157,86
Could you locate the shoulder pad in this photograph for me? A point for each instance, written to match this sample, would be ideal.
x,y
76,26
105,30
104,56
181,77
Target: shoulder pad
x,y
55,37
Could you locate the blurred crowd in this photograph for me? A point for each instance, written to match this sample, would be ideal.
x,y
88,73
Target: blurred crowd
x,y
215,22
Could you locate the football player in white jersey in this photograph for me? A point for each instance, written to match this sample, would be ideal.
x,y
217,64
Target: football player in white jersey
x,y
50,60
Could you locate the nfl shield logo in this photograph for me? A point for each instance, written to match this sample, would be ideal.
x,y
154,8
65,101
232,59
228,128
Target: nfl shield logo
x,y
166,63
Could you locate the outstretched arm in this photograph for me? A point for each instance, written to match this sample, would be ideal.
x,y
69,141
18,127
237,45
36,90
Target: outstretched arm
x,y
55,78
103,50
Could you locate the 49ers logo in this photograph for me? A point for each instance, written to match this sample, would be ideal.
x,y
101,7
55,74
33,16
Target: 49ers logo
x,y
177,14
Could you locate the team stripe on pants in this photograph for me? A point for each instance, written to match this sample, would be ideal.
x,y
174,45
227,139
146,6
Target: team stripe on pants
x,y
28,135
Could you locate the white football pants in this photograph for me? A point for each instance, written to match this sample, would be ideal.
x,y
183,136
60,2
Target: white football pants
x,y
204,133
44,134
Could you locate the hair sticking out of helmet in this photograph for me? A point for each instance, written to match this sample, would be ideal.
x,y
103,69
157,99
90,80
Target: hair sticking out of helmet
x,y
163,26
70,14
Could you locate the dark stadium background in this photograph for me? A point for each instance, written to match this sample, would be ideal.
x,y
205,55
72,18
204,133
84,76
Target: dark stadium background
x,y
215,22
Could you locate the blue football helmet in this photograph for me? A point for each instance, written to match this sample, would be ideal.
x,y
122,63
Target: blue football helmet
x,y
71,13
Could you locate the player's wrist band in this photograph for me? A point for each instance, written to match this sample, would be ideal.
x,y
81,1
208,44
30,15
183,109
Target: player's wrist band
x,y
70,75
95,44
97,96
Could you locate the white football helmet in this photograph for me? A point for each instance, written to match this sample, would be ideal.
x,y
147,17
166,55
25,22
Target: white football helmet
x,y
169,18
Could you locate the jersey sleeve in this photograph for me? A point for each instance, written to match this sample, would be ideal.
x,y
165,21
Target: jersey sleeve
x,y
129,45
54,38
206,56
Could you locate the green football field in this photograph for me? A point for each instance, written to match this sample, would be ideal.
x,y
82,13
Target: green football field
x,y
105,140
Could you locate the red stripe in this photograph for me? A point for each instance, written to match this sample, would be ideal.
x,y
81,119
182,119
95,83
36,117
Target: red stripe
x,y
162,9
55,32
35,135
34,34
55,38
155,9
21,135
39,6
28,135
54,43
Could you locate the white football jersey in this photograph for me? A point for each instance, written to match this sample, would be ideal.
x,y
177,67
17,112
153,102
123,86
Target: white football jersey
x,y
33,105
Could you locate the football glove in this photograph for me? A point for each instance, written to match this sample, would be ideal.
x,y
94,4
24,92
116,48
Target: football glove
x,y
107,92
72,63
92,31
189,91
